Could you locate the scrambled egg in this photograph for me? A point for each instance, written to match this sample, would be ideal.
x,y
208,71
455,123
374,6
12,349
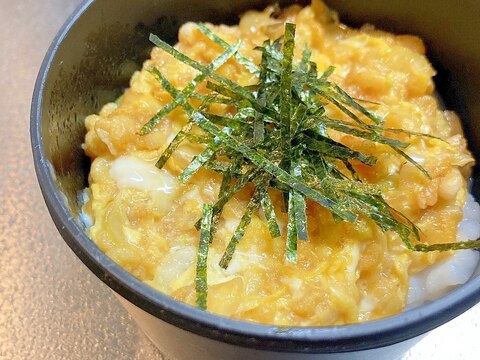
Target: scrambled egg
x,y
346,272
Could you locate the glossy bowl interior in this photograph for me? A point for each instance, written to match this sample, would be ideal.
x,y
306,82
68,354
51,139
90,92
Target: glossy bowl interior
x,y
90,62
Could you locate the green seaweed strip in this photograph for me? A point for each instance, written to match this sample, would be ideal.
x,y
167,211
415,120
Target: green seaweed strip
x,y
215,64
227,178
241,182
181,97
177,140
292,235
410,160
347,99
298,119
326,74
155,120
223,199
350,168
226,91
375,137
348,129
199,139
300,214
280,174
269,212
220,167
339,105
312,71
235,124
258,123
299,204
330,148
212,99
305,60
374,128
285,100
198,161
197,66
370,102
249,65
201,286
464,245
253,205
286,91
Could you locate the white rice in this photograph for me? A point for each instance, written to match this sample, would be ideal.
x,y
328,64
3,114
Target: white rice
x,y
83,198
438,279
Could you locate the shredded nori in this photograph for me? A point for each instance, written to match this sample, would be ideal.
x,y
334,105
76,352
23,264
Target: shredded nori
x,y
278,138
202,255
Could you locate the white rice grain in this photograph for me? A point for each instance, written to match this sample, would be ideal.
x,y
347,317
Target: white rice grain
x,y
440,278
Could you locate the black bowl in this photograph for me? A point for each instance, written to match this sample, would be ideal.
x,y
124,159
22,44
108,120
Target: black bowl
x,y
90,62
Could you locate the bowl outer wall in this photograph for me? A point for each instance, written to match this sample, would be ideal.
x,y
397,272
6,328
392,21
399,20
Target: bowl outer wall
x,y
297,339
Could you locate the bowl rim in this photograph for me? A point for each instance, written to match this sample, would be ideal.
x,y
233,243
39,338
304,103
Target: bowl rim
x,y
345,338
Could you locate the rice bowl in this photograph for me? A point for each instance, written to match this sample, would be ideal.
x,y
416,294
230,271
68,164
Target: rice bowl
x,y
162,309
142,216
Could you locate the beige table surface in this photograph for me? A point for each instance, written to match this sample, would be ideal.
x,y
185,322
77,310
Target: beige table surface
x,y
51,306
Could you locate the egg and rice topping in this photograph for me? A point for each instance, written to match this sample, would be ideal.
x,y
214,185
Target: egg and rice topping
x,y
143,217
